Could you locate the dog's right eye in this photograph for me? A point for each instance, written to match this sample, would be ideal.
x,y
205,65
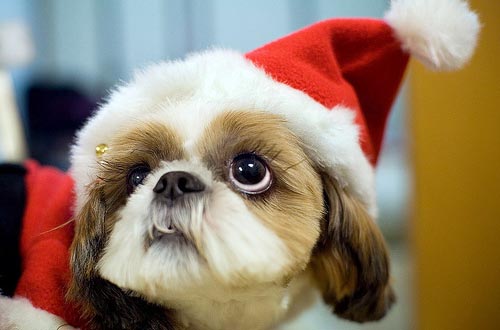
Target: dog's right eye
x,y
135,177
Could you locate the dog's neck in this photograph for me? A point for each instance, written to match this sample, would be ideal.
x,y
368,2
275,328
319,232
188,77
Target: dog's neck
x,y
255,309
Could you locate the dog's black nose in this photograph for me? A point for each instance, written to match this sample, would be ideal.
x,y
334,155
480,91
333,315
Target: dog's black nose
x,y
175,184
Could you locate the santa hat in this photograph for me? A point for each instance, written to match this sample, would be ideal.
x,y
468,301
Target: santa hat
x,y
334,82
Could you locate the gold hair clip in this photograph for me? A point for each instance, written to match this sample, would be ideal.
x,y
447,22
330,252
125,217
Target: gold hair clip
x,y
101,149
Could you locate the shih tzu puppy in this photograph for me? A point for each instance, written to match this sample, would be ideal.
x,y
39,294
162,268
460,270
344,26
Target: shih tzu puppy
x,y
222,226
224,190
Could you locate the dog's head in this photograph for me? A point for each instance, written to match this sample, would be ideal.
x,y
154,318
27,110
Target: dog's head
x,y
196,188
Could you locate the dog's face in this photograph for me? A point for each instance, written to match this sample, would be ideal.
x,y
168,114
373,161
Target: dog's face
x,y
205,190
234,205
238,205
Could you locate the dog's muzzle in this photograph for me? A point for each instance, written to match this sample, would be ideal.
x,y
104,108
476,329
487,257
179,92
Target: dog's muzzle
x,y
176,194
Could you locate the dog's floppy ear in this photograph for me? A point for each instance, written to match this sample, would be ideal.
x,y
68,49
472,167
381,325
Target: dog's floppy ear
x,y
103,304
350,262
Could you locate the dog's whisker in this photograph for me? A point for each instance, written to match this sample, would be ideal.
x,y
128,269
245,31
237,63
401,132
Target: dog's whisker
x,y
296,164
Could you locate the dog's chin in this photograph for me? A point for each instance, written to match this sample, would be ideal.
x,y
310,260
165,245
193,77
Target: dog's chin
x,y
211,241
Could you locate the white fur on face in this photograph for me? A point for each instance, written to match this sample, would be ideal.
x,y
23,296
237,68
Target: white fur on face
x,y
231,246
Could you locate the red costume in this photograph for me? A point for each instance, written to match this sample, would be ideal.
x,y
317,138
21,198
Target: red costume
x,y
46,236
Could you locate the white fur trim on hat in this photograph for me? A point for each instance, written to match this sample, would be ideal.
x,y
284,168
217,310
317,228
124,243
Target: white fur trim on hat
x,y
440,33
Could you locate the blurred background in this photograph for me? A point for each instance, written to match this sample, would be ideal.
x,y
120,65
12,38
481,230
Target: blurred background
x,y
437,178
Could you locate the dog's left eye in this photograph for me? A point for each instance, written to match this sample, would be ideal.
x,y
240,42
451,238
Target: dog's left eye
x,y
135,177
250,174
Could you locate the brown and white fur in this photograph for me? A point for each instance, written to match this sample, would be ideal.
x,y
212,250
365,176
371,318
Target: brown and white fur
x,y
242,261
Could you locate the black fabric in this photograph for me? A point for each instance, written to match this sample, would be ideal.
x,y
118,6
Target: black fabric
x,y
12,203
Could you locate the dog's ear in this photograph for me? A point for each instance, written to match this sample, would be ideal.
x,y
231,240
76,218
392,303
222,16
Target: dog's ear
x,y
89,239
103,304
350,262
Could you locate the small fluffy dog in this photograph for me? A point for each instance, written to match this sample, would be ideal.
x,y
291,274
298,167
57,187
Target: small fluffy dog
x,y
221,227
222,191
207,211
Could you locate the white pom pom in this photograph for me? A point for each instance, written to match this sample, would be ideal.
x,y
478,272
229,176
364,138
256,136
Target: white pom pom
x,y
440,33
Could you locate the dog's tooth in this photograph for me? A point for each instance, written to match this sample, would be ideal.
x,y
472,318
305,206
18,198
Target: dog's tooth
x,y
165,230
151,232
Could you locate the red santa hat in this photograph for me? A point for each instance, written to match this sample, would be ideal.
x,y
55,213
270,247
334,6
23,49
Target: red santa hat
x,y
334,82
359,63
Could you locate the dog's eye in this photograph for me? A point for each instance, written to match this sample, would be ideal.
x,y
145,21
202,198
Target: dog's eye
x,y
135,177
250,174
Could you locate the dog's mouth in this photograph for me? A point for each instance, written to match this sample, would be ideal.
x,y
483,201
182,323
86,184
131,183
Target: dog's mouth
x,y
159,234
172,225
174,237
157,231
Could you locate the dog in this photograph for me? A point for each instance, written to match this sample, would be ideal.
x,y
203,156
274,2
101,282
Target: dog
x,y
230,232
224,190
217,214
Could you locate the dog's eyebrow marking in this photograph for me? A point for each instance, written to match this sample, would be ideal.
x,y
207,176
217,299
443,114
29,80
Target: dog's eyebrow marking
x,y
237,131
146,142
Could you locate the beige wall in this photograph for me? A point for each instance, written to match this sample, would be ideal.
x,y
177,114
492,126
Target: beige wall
x,y
456,224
